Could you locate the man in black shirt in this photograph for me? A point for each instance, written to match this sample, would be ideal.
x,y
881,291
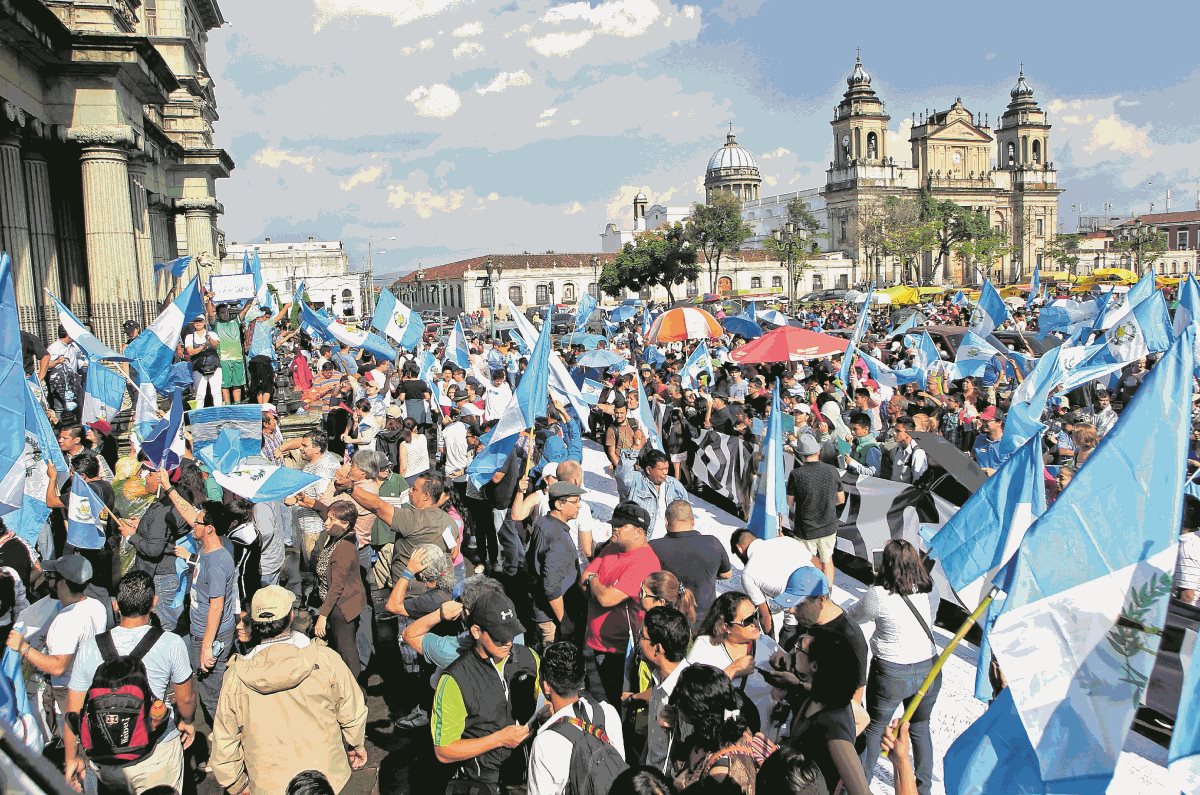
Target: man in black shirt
x,y
814,491
34,356
696,559
722,419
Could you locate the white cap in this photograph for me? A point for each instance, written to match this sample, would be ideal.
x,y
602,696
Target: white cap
x,y
550,470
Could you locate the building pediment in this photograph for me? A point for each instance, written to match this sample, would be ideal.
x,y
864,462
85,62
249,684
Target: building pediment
x,y
959,131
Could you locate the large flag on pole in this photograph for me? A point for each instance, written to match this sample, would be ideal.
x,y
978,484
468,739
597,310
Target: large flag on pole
x,y
584,311
562,385
456,346
91,345
13,391
1035,288
153,351
990,312
330,329
39,448
1144,288
1024,418
177,266
770,498
860,328
163,446
646,415
1183,757
974,353
397,321
103,394
698,363
1145,329
1077,642
1188,311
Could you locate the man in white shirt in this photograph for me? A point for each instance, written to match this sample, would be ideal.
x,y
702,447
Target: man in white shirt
x,y
497,396
562,684
663,643
768,563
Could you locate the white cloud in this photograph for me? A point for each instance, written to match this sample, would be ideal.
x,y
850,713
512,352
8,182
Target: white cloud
x,y
733,10
423,44
468,49
991,56
547,113
425,202
438,101
364,176
278,158
468,30
401,13
559,45
505,80
493,196
543,123
774,153
1099,130
574,208
574,122
1112,133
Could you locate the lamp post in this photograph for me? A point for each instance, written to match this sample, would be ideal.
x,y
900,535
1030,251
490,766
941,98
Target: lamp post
x,y
419,295
371,273
788,240
440,286
493,272
1136,236
596,278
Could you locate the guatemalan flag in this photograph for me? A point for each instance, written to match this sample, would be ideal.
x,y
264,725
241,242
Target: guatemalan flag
x,y
1035,288
1077,642
1023,420
153,351
207,423
39,448
164,444
562,386
1188,311
888,376
1145,329
329,329
93,347
698,363
103,394
1183,757
256,482
860,328
456,346
584,310
991,311
14,703
252,264
770,498
13,390
397,321
177,267
646,415
85,516
427,372
591,390
974,353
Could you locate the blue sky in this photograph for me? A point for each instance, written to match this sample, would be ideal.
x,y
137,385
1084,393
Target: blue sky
x,y
465,127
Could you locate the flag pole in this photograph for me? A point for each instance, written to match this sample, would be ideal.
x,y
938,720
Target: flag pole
x,y
941,660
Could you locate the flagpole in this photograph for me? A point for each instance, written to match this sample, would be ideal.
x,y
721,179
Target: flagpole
x,y
138,387
941,660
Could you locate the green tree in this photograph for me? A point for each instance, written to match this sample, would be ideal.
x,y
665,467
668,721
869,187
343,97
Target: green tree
x,y
985,247
906,235
1064,251
952,224
806,231
717,229
662,256
1141,244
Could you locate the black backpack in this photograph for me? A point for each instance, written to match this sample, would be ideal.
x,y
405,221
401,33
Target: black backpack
x,y
595,762
116,725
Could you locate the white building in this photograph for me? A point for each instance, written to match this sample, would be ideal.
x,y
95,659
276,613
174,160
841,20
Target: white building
x,y
322,266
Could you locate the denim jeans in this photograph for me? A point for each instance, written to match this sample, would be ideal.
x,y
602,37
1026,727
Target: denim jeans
x,y
165,586
511,545
208,683
889,684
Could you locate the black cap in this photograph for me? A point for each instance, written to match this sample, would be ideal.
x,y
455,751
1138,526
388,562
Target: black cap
x,y
130,325
631,513
495,614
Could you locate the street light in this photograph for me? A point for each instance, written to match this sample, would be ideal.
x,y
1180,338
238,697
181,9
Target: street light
x,y
371,273
596,278
440,286
419,295
493,272
789,241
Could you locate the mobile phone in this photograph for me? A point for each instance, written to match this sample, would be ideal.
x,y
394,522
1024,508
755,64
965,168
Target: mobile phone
x,y
218,646
877,560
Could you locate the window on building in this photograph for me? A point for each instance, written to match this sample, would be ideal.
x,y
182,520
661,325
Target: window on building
x,y
485,296
595,292
693,289
1041,227
1181,239
872,146
347,302
1037,152
151,14
460,295
1012,153
568,292
515,295
541,294
843,282
755,282
1039,261
776,281
818,282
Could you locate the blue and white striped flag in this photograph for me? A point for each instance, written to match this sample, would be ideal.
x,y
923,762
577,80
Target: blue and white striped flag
x,y
397,321
153,351
13,392
770,497
562,386
177,266
584,311
646,415
40,447
85,512
991,312
207,423
252,264
1035,288
1145,287
974,352
960,299
330,330
103,394
860,328
1188,311
93,347
164,444
15,709
1145,329
591,391
456,346
697,363
1183,757
888,376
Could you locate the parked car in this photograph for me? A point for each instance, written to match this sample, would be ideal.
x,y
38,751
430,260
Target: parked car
x,y
562,323
819,296
948,338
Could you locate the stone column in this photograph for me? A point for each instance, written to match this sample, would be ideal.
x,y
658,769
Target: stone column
x,y
14,229
42,238
200,215
67,201
114,291
142,241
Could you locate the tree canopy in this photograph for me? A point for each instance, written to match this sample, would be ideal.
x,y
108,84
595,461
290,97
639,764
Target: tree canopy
x,y
717,229
662,256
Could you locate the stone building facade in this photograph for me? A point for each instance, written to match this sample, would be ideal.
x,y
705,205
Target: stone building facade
x,y
322,266
107,155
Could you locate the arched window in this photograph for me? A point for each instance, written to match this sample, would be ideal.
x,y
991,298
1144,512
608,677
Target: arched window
x,y
872,146
515,295
568,293
776,281
541,294
1012,153
1037,152
693,289
593,290
347,302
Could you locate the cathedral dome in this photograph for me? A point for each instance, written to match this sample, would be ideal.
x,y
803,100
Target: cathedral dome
x,y
731,155
1021,89
860,76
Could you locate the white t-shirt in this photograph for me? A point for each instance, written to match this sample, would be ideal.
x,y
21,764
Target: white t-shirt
x,y
1187,565
705,651
75,624
899,637
550,753
194,340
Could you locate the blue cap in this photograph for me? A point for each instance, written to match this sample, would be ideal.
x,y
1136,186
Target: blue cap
x,y
805,581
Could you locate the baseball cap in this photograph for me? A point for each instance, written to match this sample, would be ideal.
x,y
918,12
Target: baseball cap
x,y
269,408
805,581
72,568
494,613
992,413
808,444
630,513
565,489
802,408
1059,401
393,411
130,325
102,426
271,602
199,317
550,470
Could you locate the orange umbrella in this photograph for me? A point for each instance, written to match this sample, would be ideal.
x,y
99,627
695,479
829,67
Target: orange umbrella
x,y
685,323
788,343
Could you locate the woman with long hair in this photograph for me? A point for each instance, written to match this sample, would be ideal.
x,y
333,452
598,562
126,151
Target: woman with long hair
x,y
730,638
712,738
664,588
902,603
414,452
339,584
1085,438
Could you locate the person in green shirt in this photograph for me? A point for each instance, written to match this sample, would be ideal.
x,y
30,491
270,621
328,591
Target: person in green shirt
x,y
233,363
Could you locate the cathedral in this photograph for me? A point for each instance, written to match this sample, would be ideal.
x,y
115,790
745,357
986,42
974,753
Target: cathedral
x,y
1006,174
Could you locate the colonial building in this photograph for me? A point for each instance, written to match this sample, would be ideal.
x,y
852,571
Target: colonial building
x,y
107,157
322,266
955,156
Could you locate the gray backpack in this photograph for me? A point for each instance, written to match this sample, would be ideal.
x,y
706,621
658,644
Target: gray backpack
x,y
595,762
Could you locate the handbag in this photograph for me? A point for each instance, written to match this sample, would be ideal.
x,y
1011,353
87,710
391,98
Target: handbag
x,y
922,621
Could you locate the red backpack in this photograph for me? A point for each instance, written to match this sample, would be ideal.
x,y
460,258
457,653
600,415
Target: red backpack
x,y
116,725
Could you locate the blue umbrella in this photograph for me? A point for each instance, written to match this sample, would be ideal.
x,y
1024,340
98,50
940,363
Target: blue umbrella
x,y
599,359
588,341
622,313
742,326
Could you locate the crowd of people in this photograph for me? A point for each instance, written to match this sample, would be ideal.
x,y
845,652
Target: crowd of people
x,y
535,643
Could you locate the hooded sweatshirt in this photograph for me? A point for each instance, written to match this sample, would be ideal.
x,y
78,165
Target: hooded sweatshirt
x,y
287,706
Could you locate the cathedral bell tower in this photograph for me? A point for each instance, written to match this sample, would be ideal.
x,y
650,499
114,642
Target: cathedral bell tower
x,y
859,122
1023,134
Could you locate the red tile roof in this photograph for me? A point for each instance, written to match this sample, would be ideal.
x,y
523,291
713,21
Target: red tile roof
x,y
1186,216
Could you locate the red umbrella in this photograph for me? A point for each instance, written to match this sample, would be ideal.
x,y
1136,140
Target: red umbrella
x,y
788,343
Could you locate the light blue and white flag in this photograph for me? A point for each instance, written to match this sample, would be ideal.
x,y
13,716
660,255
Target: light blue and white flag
x,y
329,329
103,394
456,346
1145,329
153,351
908,325
253,265
256,482
562,385
1023,420
1187,313
646,415
427,371
85,516
13,392
982,537
1102,302
1035,288
177,267
1145,287
974,352
397,321
960,299
164,444
1078,641
1068,316
697,363
591,391
1183,757
929,360
15,709
79,334
584,311
860,328
40,447
206,424
990,313
529,403
770,497
888,376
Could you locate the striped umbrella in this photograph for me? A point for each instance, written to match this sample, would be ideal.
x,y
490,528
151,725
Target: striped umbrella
x,y
684,323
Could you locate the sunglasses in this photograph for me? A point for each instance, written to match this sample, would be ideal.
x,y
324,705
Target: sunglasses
x,y
751,620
